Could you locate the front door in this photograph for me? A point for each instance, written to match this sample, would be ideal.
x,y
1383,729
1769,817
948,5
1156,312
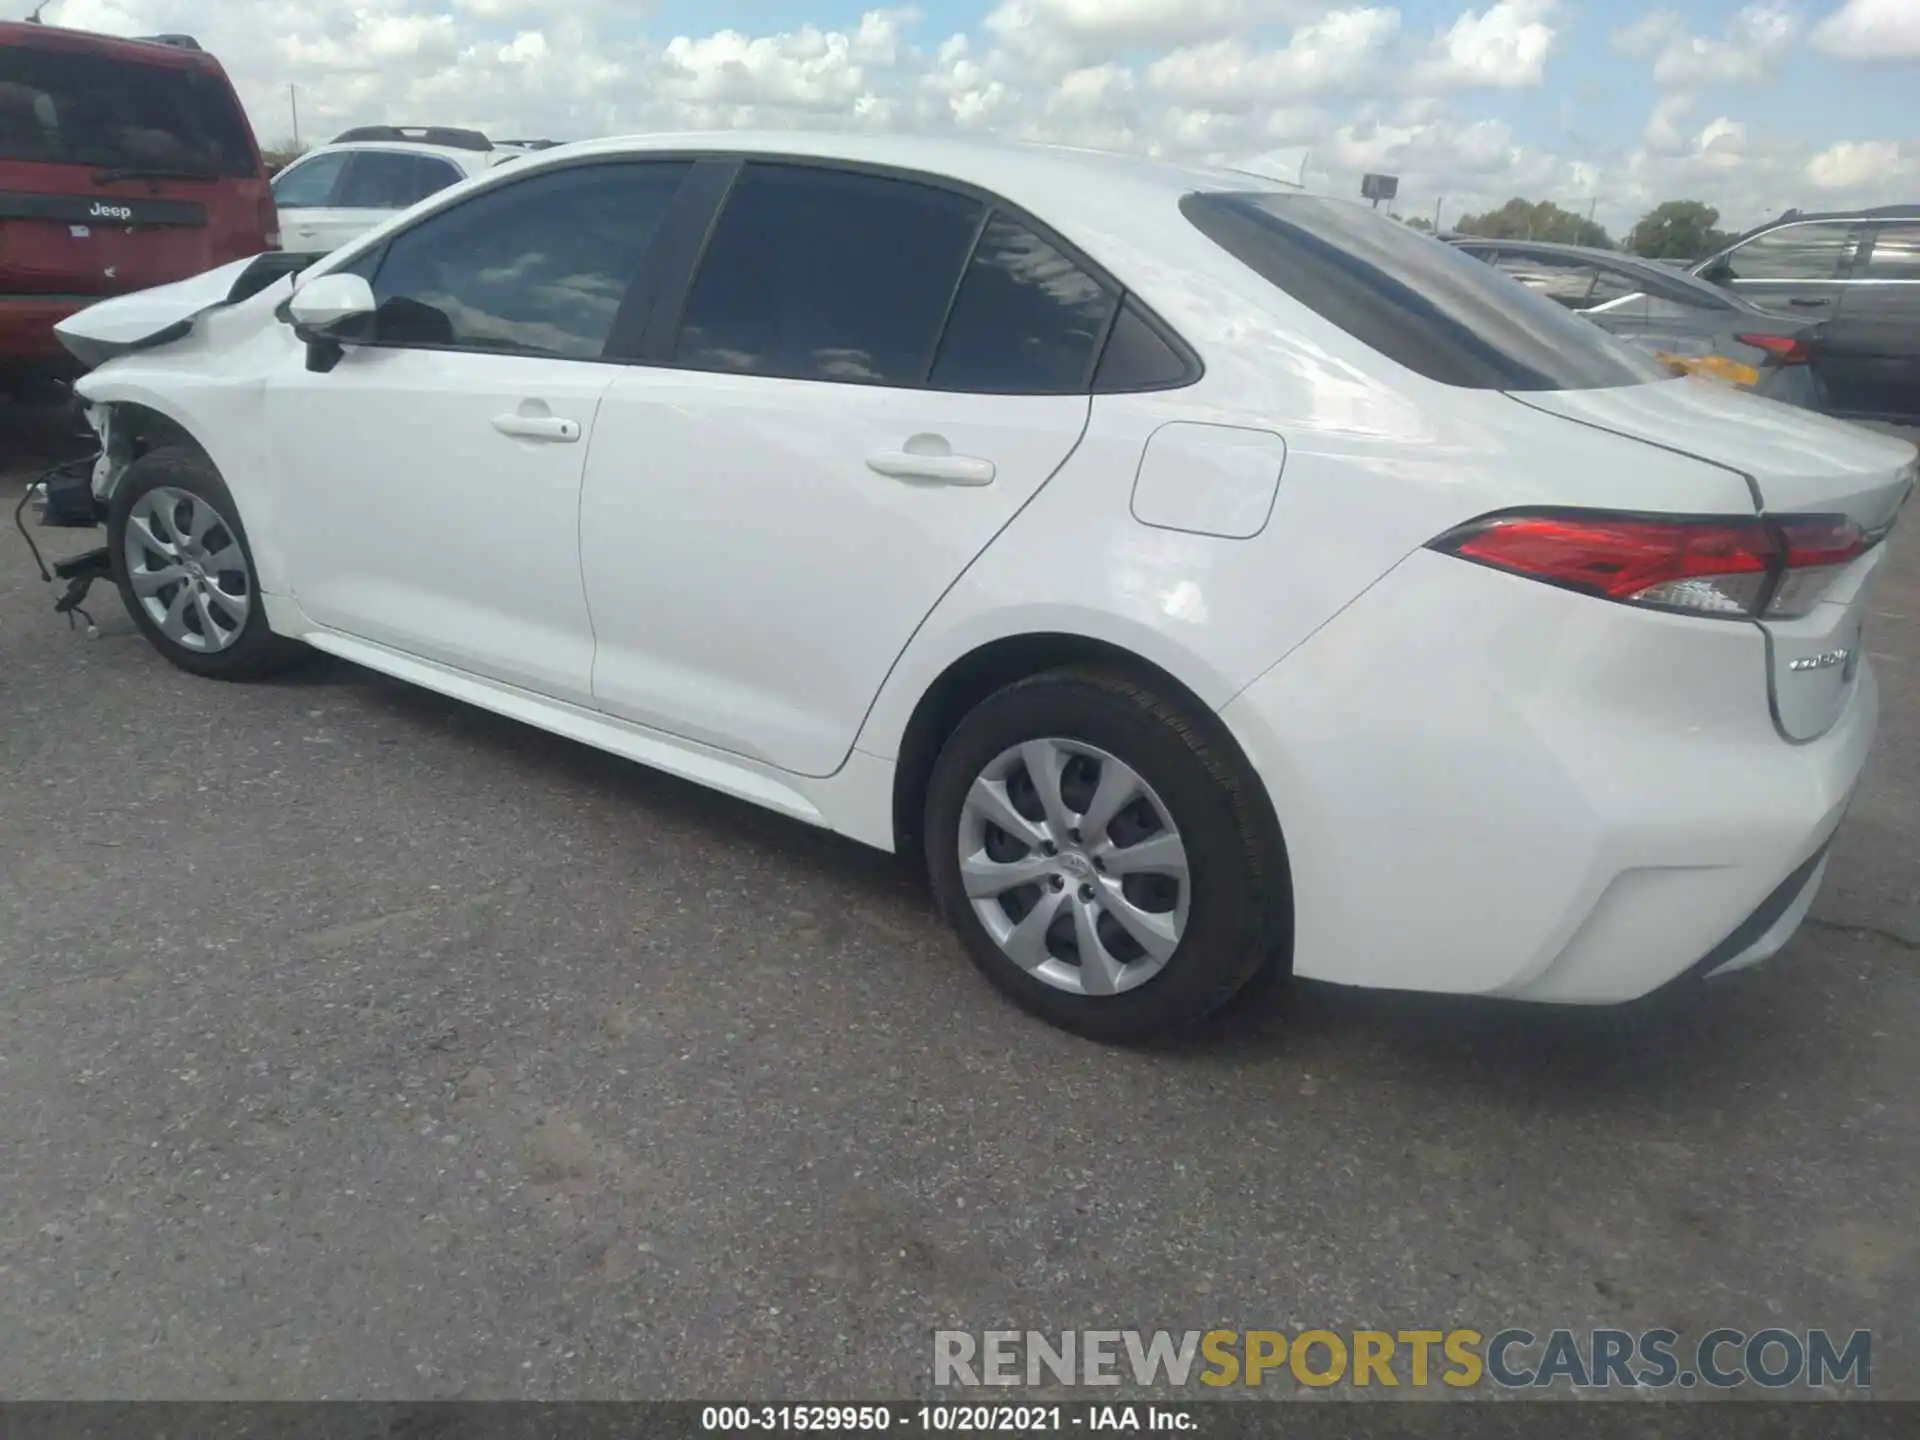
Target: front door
x,y
1795,269
303,194
431,480
833,433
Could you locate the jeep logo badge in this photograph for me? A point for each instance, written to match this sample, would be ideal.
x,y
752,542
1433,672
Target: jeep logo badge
x,y
103,211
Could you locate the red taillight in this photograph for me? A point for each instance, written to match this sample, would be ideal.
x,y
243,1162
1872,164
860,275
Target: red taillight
x,y
270,222
1784,349
1814,540
1743,568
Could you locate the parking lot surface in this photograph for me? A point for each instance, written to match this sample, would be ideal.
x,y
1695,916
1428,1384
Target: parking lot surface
x,y
354,1042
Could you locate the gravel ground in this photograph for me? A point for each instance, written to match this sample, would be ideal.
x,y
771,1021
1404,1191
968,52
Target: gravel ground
x,y
357,1043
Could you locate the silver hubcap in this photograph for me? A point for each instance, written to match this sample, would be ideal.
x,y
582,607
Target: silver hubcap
x,y
186,569
1074,866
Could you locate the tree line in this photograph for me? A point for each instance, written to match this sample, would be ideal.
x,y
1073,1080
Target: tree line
x,y
1672,230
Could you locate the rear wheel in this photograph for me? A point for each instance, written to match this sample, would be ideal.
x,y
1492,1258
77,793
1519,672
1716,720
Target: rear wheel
x,y
185,569
1102,852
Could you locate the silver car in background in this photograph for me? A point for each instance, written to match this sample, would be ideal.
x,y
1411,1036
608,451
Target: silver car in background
x,y
1696,325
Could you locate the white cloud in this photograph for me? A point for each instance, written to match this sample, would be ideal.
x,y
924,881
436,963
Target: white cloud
x,y
1864,164
1756,43
1871,30
1663,133
1117,23
1335,55
1502,47
1203,79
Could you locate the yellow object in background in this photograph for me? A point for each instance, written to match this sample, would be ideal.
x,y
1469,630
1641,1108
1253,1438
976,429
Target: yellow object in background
x,y
1719,367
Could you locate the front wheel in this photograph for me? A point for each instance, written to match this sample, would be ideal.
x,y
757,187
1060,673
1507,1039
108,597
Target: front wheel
x,y
1105,855
185,570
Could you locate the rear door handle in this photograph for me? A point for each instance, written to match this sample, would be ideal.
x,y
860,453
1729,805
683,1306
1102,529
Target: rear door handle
x,y
941,469
1808,302
538,427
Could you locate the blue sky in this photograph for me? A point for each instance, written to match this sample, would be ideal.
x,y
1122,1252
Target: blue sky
x,y
1753,105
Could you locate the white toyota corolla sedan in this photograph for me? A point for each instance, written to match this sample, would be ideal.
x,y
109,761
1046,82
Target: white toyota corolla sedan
x,y
1202,575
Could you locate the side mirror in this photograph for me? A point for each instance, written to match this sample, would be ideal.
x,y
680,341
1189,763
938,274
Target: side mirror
x,y
1717,271
330,313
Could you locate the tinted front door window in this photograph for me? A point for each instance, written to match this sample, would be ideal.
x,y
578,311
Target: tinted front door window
x,y
821,274
309,185
537,268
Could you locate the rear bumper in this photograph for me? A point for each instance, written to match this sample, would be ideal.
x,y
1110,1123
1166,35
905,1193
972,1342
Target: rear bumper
x,y
1489,786
26,325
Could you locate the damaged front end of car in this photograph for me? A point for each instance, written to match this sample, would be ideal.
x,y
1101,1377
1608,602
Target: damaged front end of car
x,y
77,493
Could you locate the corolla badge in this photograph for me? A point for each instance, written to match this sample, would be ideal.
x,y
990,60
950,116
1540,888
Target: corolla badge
x,y
103,211
1825,660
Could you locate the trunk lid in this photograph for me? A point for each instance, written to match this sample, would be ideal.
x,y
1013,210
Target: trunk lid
x,y
1795,464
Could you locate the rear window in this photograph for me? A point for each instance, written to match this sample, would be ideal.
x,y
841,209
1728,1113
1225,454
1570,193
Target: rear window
x,y
71,108
1416,300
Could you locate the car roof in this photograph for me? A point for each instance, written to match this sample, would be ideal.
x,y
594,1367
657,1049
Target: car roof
x,y
1801,217
466,160
146,50
1043,178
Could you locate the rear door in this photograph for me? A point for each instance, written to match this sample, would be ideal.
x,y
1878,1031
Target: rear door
x,y
117,173
871,376
1869,355
1796,269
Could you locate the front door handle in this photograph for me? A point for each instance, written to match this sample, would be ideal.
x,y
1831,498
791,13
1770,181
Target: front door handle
x,y
941,469
1809,302
538,427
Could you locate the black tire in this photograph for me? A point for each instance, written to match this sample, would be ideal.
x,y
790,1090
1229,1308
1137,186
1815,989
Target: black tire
x,y
1238,917
257,652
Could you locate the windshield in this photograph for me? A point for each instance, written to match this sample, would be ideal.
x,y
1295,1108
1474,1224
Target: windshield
x,y
1416,300
70,108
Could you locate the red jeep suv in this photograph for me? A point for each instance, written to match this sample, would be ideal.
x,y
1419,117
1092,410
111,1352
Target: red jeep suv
x,y
123,164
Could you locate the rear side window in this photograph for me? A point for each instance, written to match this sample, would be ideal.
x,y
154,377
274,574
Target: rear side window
x,y
1896,253
309,184
819,274
1138,357
535,268
71,108
1027,320
1565,280
1419,302
392,180
1818,250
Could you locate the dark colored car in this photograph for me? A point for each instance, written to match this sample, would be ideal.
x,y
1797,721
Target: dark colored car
x,y
124,164
1858,273
1686,320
